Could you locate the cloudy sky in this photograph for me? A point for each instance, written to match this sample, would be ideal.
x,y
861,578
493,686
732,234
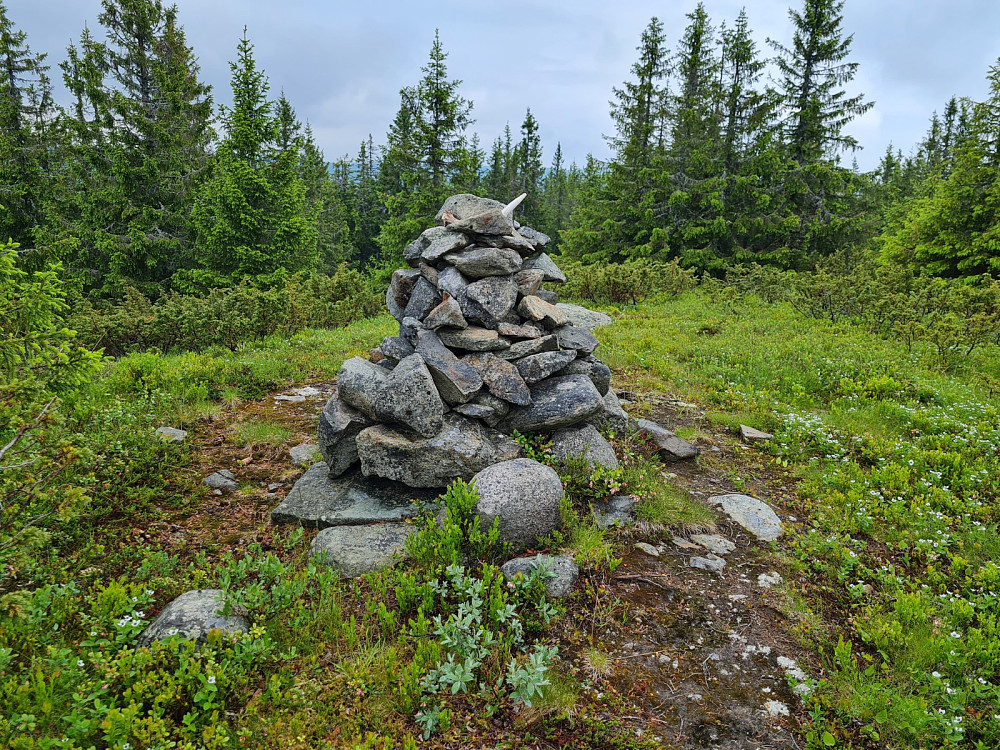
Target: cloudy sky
x,y
342,64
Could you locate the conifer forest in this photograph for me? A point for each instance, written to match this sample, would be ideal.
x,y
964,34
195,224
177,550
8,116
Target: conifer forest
x,y
181,282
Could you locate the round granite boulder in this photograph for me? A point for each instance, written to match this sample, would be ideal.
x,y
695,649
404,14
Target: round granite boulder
x,y
524,496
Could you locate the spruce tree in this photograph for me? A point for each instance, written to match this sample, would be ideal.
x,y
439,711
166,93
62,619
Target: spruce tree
x,y
27,134
813,72
616,217
530,169
254,217
141,127
428,152
368,208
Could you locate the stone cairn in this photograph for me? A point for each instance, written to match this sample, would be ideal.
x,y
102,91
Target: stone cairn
x,y
483,350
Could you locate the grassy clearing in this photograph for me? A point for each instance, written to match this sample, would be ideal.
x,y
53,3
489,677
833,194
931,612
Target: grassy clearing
x,y
897,456
897,451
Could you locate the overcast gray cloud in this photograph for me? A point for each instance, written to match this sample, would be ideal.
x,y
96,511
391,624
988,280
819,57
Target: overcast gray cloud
x,y
342,64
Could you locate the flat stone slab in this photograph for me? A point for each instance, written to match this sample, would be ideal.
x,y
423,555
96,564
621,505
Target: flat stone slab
x,y
304,454
171,434
617,510
647,549
193,615
584,318
714,543
318,501
223,480
671,447
561,571
710,562
752,514
753,435
356,550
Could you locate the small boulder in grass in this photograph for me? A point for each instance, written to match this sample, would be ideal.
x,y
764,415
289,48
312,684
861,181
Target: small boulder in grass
x,y
670,447
171,434
193,615
561,572
223,480
753,435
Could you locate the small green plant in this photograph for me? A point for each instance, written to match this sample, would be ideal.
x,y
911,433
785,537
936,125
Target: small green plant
x,y
452,531
536,447
255,434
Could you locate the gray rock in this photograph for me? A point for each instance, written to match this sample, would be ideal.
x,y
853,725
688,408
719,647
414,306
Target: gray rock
x,y
452,281
671,447
415,249
560,572
537,367
752,514
612,417
753,435
583,441
442,245
516,331
408,329
462,448
473,339
448,313
429,272
222,480
318,500
192,616
522,349
171,434
647,549
556,402
501,378
544,263
598,372
304,454
517,243
479,262
580,339
524,496
456,381
464,205
528,282
536,238
357,550
491,222
395,348
617,510
410,398
476,411
710,562
581,317
489,300
400,288
500,407
536,309
714,543
424,298
358,384
339,425
548,296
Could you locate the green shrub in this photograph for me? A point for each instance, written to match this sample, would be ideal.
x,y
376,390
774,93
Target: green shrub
x,y
625,283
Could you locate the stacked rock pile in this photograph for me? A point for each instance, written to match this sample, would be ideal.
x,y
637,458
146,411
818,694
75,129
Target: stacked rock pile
x,y
482,351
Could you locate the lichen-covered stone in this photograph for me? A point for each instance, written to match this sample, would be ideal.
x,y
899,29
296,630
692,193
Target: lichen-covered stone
x,y
549,269
456,381
359,382
556,402
473,339
339,425
540,366
356,550
192,616
479,262
585,442
501,378
410,398
489,300
462,448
